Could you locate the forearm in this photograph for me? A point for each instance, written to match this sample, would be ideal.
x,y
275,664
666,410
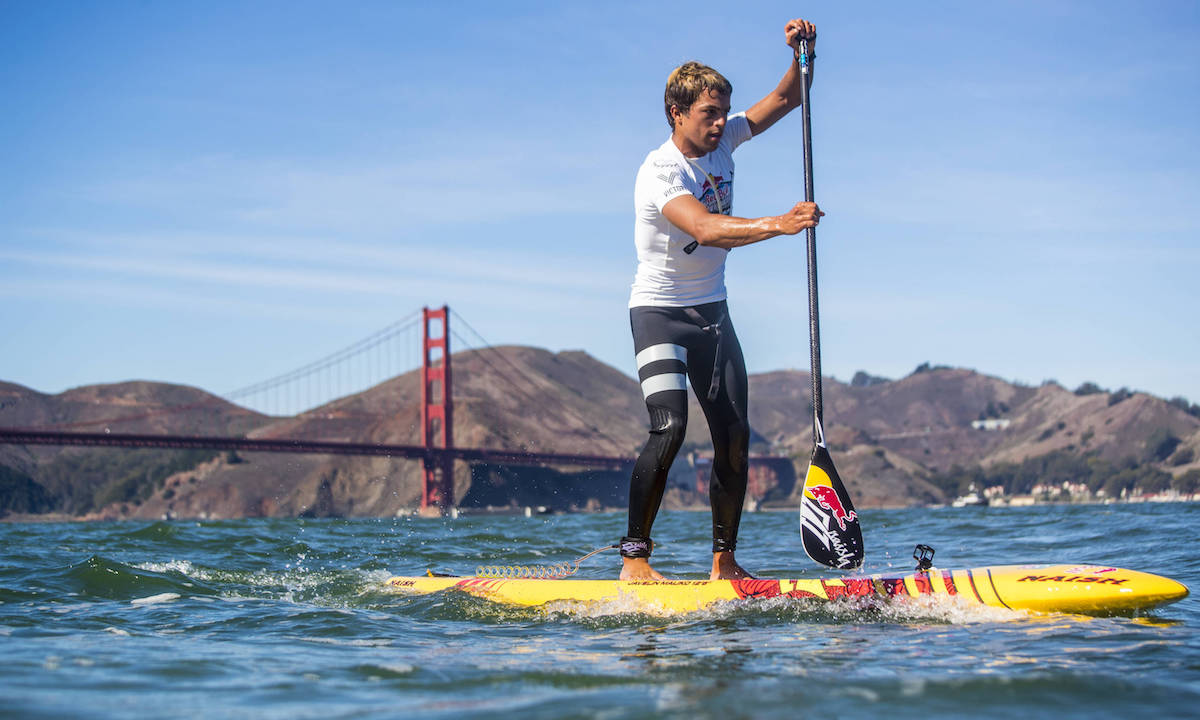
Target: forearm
x,y
789,86
802,38
788,89
728,232
780,101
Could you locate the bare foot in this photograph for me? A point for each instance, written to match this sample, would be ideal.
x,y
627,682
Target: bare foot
x,y
724,567
639,569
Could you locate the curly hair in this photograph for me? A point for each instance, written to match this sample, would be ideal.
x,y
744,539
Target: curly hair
x,y
687,82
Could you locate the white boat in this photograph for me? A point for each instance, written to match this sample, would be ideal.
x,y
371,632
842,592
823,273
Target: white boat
x,y
972,498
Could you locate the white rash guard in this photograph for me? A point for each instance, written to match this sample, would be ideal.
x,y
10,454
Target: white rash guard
x,y
667,275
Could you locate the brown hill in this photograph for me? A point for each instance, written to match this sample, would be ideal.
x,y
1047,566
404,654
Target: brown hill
x,y
889,438
505,398
133,407
77,479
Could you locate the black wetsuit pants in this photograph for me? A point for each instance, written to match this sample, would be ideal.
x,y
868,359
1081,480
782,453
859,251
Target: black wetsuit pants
x,y
699,343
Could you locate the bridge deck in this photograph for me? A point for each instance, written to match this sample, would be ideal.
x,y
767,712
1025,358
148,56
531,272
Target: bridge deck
x,y
13,436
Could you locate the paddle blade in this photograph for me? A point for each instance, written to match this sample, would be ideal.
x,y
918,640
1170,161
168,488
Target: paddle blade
x,y
828,523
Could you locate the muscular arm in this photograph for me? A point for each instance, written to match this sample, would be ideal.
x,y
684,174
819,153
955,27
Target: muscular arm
x,y
786,96
724,231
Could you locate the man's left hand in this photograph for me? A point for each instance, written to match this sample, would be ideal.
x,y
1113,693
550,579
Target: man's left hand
x,y
797,29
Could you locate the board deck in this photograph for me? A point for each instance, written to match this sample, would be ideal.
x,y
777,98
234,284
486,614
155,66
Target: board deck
x,y
1041,588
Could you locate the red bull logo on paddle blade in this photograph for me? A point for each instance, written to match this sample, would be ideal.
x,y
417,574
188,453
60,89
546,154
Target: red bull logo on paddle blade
x,y
828,498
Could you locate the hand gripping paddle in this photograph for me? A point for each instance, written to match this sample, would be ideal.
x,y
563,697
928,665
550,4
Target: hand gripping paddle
x,y
828,523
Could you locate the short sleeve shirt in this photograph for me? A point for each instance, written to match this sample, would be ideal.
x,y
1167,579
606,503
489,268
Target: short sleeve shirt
x,y
673,270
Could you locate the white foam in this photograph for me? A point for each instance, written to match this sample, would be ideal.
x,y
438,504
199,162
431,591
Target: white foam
x,y
396,668
155,599
179,566
623,604
378,642
952,610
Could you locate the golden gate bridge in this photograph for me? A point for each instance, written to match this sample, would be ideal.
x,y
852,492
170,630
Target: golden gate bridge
x,y
354,368
364,364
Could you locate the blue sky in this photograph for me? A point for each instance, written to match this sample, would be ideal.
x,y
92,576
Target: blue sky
x,y
214,193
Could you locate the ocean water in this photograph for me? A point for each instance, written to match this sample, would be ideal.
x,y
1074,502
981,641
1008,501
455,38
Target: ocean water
x,y
292,619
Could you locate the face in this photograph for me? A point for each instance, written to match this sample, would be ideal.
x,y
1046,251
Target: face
x,y
699,130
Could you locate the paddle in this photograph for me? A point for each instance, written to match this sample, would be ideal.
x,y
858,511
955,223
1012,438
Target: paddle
x,y
828,523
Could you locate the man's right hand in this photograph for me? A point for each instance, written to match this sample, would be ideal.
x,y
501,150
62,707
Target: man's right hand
x,y
802,216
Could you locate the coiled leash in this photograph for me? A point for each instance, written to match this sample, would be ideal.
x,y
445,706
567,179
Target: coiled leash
x,y
554,571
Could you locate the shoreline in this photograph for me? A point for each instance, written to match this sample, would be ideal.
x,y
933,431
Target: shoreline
x,y
530,511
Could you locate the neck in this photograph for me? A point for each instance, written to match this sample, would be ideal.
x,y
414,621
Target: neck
x,y
689,150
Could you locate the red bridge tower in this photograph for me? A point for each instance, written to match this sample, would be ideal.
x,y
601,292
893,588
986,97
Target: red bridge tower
x,y
437,413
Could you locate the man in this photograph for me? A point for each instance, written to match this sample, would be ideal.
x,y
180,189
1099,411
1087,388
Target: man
x,y
684,230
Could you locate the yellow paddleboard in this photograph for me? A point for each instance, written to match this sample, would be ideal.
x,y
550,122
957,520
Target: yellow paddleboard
x,y
1041,588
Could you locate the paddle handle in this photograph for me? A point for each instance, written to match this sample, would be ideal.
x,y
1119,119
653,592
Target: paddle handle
x,y
814,325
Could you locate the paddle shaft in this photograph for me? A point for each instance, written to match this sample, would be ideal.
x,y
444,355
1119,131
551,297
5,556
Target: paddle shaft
x,y
814,329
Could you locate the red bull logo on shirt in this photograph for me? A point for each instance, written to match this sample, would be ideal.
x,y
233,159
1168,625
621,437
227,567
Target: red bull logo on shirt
x,y
715,194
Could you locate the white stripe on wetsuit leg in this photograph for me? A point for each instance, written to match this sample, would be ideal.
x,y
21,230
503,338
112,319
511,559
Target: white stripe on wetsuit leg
x,y
662,351
664,382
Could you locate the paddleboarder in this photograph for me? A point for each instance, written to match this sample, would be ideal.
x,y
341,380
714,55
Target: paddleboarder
x,y
684,229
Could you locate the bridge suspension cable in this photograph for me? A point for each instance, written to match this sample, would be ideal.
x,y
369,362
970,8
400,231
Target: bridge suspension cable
x,y
486,349
354,368
382,355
